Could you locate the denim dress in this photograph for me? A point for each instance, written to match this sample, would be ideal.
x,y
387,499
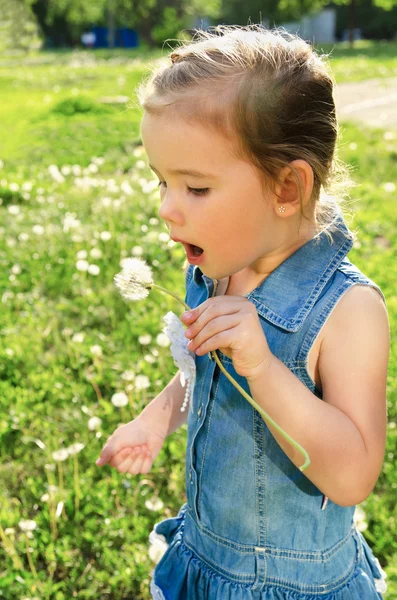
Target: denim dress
x,y
254,527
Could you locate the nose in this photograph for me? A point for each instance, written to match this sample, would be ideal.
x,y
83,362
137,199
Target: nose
x,y
170,208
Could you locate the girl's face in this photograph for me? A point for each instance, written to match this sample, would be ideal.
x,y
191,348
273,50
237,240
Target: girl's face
x,y
222,209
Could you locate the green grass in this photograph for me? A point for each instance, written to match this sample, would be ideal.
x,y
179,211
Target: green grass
x,y
93,524
368,59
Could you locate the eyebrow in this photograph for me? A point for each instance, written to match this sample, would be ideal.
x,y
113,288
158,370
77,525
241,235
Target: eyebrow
x,y
191,172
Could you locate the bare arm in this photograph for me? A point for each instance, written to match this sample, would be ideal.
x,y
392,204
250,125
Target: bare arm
x,y
164,412
345,433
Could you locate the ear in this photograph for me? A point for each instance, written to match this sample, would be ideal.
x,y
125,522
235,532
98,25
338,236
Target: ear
x,y
287,191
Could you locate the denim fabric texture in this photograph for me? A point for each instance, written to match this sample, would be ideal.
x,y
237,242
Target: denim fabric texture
x,y
254,527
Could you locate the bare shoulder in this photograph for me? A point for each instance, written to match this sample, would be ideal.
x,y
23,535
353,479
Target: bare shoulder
x,y
361,310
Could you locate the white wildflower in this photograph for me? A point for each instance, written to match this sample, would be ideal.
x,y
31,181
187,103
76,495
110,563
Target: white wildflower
x,y
144,340
128,375
154,503
105,236
81,254
75,448
140,164
149,358
142,382
38,229
389,187
94,423
164,237
78,337
60,455
119,399
13,209
126,188
96,350
56,174
135,279
70,222
82,265
137,251
27,525
183,357
163,340
96,253
94,269
14,187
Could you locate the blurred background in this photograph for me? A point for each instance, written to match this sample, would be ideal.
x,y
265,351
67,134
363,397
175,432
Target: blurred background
x,y
76,197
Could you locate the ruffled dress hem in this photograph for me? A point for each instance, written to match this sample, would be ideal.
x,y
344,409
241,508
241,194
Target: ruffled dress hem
x,y
180,574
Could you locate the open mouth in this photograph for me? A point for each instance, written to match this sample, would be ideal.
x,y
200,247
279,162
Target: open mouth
x,y
193,252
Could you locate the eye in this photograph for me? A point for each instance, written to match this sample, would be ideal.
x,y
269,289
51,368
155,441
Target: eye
x,y
195,191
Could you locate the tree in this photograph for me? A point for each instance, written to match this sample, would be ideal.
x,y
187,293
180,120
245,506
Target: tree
x,y
155,20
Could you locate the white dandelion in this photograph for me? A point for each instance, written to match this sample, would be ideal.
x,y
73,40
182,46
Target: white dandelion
x,y
119,399
141,382
94,423
135,279
27,525
60,455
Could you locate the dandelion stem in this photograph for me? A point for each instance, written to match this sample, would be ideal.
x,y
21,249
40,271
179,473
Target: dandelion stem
x,y
263,413
158,287
31,565
266,417
10,549
76,484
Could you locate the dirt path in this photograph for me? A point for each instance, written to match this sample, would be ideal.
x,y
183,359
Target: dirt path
x,y
373,101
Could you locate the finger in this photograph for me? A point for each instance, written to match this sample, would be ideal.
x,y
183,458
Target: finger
x,y
125,460
110,449
135,468
218,341
213,327
147,463
227,303
123,454
211,312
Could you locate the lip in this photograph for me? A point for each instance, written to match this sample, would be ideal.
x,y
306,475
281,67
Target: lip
x,y
192,258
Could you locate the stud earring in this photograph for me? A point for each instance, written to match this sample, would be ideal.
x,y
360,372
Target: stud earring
x,y
281,209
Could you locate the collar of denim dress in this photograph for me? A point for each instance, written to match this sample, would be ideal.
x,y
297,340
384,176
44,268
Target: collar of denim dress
x,y
287,295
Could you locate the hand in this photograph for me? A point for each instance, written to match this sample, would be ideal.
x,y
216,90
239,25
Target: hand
x,y
229,324
132,448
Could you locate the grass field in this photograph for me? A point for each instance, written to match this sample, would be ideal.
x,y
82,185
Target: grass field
x,y
76,197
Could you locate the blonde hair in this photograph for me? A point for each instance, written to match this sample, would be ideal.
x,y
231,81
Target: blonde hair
x,y
270,93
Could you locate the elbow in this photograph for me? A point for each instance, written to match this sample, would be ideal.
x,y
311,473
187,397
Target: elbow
x,y
352,493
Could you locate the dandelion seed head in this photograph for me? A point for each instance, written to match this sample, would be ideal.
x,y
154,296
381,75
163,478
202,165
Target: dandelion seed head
x,y
135,279
94,423
75,448
119,399
27,525
60,455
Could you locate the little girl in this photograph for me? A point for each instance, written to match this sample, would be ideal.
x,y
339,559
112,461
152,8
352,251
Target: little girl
x,y
240,129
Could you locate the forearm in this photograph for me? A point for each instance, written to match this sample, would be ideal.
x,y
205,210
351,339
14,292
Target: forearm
x,y
164,411
335,446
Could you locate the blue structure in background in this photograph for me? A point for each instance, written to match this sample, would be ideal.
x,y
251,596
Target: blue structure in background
x,y
124,38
